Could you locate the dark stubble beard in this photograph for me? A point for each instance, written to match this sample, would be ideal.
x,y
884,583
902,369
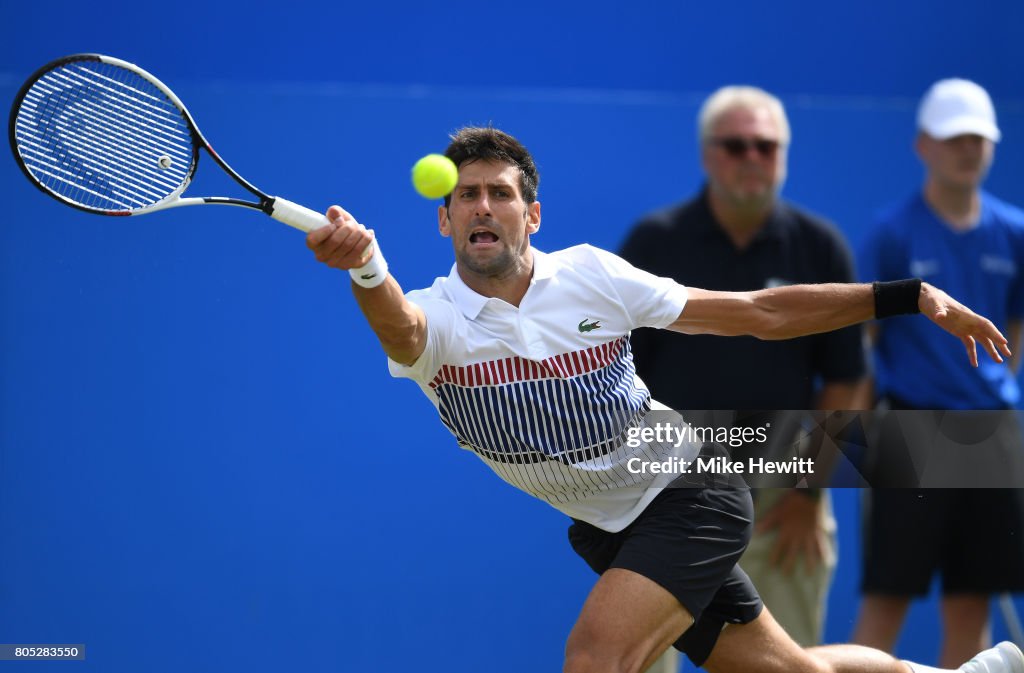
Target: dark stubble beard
x,y
503,265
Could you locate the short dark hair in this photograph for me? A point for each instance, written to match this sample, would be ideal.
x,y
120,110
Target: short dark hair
x,y
487,143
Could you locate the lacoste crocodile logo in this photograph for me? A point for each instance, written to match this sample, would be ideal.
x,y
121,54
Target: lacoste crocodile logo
x,y
584,326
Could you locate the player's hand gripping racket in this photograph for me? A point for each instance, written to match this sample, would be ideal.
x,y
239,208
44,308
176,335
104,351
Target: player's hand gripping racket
x,y
105,136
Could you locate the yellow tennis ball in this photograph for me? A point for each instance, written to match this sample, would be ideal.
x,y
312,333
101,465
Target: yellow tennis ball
x,y
434,176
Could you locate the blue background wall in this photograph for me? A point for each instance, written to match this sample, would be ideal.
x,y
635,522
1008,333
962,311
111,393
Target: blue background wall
x,y
203,462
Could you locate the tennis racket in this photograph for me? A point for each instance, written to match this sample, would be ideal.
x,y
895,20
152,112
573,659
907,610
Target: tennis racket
x,y
105,136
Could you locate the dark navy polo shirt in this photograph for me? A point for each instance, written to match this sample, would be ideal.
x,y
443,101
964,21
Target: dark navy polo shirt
x,y
686,243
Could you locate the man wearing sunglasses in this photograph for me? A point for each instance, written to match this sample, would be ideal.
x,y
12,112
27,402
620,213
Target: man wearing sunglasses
x,y
737,234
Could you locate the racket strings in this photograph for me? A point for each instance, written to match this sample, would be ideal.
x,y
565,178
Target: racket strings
x,y
104,137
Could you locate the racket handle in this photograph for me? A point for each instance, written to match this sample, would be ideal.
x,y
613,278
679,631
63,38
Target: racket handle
x,y
297,216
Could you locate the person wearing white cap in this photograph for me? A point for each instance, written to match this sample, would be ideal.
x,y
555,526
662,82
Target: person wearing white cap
x,y
954,234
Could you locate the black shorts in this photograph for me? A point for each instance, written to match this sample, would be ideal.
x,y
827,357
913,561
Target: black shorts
x,y
973,537
688,541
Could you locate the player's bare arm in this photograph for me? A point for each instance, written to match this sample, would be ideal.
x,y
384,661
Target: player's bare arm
x,y
775,313
799,310
400,325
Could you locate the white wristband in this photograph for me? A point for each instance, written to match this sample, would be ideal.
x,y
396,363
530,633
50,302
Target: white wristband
x,y
374,272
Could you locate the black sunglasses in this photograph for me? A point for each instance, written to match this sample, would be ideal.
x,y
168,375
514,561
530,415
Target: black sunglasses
x,y
737,148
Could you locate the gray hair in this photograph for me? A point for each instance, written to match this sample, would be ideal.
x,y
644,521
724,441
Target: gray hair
x,y
740,97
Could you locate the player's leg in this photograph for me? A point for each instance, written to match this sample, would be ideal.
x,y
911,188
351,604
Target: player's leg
x,y
761,646
677,560
626,623
796,596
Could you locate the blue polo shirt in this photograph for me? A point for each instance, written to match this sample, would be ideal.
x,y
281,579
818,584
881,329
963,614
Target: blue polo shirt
x,y
983,268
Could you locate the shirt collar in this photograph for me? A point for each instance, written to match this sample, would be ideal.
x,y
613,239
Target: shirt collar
x,y
543,265
471,302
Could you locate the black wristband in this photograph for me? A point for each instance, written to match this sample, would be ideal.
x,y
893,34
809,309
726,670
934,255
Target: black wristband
x,y
896,297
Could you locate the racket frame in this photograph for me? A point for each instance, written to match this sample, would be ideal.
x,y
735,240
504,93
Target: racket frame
x,y
280,209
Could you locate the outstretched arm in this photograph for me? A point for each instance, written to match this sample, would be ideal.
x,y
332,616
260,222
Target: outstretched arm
x,y
798,310
399,324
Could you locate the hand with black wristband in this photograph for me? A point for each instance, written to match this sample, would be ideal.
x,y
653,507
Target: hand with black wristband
x,y
912,295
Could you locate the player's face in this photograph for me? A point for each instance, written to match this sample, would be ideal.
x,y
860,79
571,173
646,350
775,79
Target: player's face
x,y
488,220
960,162
744,159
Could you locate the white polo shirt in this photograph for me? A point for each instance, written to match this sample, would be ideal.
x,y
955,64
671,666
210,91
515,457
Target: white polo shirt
x,y
545,393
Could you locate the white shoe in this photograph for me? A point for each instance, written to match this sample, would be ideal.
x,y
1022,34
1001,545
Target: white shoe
x,y
1003,658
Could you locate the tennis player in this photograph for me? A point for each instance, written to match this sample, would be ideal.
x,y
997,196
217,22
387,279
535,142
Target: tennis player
x,y
526,357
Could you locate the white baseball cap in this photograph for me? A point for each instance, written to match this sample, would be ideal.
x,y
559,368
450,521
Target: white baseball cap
x,y
954,107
